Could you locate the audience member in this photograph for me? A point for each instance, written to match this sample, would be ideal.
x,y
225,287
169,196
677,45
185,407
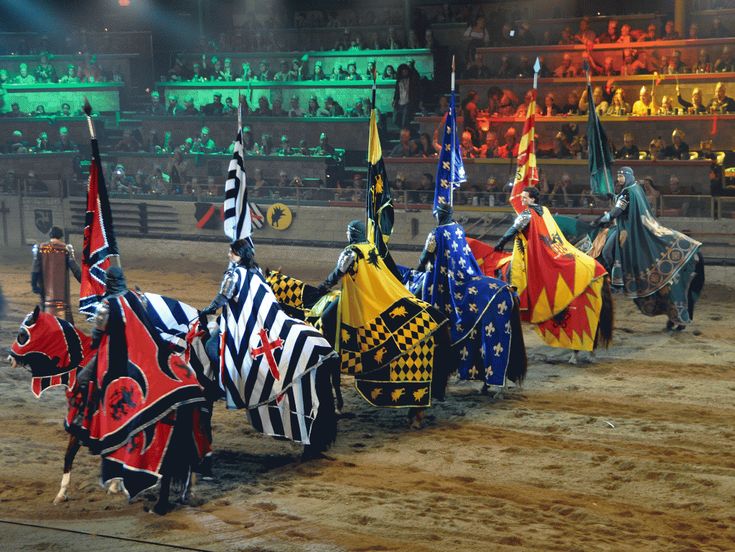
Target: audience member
x,y
721,102
725,63
629,149
678,148
510,148
405,146
65,143
611,34
645,104
670,32
567,68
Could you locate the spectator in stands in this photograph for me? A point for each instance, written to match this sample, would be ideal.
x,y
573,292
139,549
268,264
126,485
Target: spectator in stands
x,y
406,96
725,63
625,36
178,171
470,112
571,107
393,42
702,65
718,30
70,77
331,108
215,107
670,32
566,38
247,73
17,144
522,110
229,107
173,107
489,149
197,74
15,111
189,109
506,70
476,68
425,146
260,186
705,150
40,111
120,182
319,74
550,108
476,35
631,64
352,74
494,94
510,148
567,68
508,102
560,195
611,34
389,73
667,106
676,65
265,147
468,149
629,149
618,105
652,194
296,73
650,35
693,32
264,72
721,103
65,111
45,72
23,76
286,148
127,142
524,69
338,73
65,143
303,148
282,74
312,109
358,110
203,143
277,109
405,146
294,109
248,142
645,104
264,108
155,107
225,74
584,35
158,182
179,71
601,105
324,147
655,148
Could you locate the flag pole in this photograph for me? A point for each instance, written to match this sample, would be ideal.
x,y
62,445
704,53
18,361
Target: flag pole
x,y
370,129
454,131
114,259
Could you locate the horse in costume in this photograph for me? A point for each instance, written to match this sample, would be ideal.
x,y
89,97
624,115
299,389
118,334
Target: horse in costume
x,y
562,291
272,365
483,312
661,269
147,437
393,343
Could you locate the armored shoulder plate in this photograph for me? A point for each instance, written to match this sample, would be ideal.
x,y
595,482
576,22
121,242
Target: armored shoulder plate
x,y
346,260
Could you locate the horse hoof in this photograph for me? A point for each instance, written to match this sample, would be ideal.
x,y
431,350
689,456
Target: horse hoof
x,y
59,499
162,509
573,359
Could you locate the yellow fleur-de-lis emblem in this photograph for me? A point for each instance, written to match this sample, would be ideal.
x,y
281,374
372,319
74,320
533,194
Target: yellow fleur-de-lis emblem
x,y
444,183
498,349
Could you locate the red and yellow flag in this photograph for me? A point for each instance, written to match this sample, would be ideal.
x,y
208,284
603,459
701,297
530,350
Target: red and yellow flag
x,y
527,170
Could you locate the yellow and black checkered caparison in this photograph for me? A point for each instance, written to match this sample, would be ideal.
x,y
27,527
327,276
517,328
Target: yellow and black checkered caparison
x,y
385,335
289,291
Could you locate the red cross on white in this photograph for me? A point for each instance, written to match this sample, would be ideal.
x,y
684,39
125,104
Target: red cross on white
x,y
266,349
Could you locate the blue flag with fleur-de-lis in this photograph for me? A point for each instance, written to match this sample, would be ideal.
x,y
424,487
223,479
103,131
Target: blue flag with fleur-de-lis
x,y
450,170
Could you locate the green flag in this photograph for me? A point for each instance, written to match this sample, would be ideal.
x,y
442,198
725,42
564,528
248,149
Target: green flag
x,y
600,156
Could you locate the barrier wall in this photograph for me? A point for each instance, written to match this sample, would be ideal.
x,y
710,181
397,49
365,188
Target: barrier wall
x,y
104,96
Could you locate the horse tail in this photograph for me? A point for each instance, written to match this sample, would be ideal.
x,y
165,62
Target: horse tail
x,y
604,334
695,288
324,428
518,361
443,356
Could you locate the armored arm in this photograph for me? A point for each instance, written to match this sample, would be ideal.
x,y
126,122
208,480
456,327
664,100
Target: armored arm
x,y
344,262
226,292
72,264
620,206
36,279
518,225
100,320
428,253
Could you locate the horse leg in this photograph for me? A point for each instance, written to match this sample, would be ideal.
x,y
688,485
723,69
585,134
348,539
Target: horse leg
x,y
574,359
163,505
71,451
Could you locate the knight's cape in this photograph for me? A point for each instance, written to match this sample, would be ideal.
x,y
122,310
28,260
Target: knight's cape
x,y
560,288
269,360
128,413
385,334
478,307
646,255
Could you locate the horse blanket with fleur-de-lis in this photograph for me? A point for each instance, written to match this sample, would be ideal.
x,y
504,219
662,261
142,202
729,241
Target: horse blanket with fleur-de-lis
x,y
479,308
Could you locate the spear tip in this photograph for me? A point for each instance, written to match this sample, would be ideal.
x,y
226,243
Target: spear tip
x,y
87,107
